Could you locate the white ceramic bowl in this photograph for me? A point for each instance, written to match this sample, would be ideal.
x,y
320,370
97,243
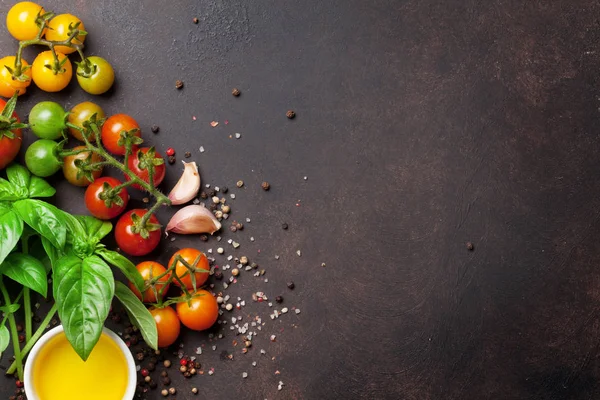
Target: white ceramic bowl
x,y
132,373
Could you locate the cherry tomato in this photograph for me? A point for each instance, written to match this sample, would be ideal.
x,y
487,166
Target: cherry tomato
x,y
200,312
149,270
190,256
134,165
9,148
8,84
42,159
97,206
95,77
47,120
167,324
61,27
111,132
20,20
45,78
70,170
133,243
81,113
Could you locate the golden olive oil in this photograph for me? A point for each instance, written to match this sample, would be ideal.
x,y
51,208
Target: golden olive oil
x,y
60,374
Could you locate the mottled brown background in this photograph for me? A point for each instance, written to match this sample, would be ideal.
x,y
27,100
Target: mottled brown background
x,y
421,125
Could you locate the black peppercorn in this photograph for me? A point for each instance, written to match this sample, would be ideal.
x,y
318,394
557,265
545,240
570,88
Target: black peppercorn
x,y
265,186
224,189
284,226
151,366
155,129
166,381
204,238
212,207
178,84
236,92
195,20
212,193
153,385
218,275
279,299
291,285
470,246
172,159
203,195
290,114
187,154
164,374
233,228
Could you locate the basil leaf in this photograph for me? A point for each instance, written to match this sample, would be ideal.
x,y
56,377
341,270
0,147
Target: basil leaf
x,y
96,229
126,266
13,308
4,339
11,228
51,251
75,230
83,290
45,219
38,187
27,270
139,314
9,192
18,175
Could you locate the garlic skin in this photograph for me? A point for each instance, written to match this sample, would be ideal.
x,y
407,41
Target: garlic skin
x,y
188,185
193,219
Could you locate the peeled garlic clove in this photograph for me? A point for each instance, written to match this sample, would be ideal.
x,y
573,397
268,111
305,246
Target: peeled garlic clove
x,y
193,219
188,185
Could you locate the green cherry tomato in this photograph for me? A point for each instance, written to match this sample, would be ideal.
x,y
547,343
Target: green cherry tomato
x,y
96,75
47,120
41,158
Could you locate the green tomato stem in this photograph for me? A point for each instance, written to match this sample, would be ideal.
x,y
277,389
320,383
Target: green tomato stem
x,y
36,336
14,335
28,313
17,299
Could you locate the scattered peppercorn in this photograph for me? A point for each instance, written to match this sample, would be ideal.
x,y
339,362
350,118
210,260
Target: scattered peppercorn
x,y
195,20
236,92
203,195
164,373
21,338
139,356
178,84
204,238
239,226
279,299
155,128
244,260
167,363
290,114
193,371
144,372
153,385
218,275
148,379
235,272
19,328
164,392
170,151
172,390
172,160
291,285
225,209
187,154
239,184
183,368
212,207
224,189
284,226
233,228
195,390
166,381
212,193
265,186
151,366
470,246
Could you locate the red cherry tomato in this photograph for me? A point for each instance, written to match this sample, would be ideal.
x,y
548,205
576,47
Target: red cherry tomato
x,y
111,132
200,312
97,206
134,165
131,242
149,270
167,324
190,256
9,148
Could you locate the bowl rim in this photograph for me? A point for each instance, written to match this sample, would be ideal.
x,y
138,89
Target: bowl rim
x,y
131,368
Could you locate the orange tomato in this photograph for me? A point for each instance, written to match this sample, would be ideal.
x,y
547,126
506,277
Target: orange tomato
x,y
9,85
200,312
167,325
59,29
149,270
191,256
20,20
45,78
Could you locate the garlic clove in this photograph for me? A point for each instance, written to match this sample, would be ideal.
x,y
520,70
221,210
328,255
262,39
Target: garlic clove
x,y
188,185
193,219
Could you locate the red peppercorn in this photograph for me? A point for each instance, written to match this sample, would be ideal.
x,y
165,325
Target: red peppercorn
x,y
144,372
183,362
170,152
19,383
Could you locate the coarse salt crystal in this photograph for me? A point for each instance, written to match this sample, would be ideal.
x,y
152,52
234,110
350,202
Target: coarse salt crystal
x,y
201,149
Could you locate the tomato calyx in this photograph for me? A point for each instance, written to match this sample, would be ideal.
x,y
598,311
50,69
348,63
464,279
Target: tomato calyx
x,y
86,168
57,65
148,159
42,19
110,195
8,123
86,68
143,228
128,139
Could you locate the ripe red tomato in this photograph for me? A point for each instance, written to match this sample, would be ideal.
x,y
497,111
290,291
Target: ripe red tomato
x,y
150,270
201,313
131,242
190,256
9,148
134,165
167,324
111,132
97,206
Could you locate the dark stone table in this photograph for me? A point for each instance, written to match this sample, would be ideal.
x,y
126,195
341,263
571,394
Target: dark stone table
x,y
421,126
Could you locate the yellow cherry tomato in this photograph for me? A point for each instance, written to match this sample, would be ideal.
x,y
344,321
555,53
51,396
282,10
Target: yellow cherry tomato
x,y
45,78
9,85
20,20
61,27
